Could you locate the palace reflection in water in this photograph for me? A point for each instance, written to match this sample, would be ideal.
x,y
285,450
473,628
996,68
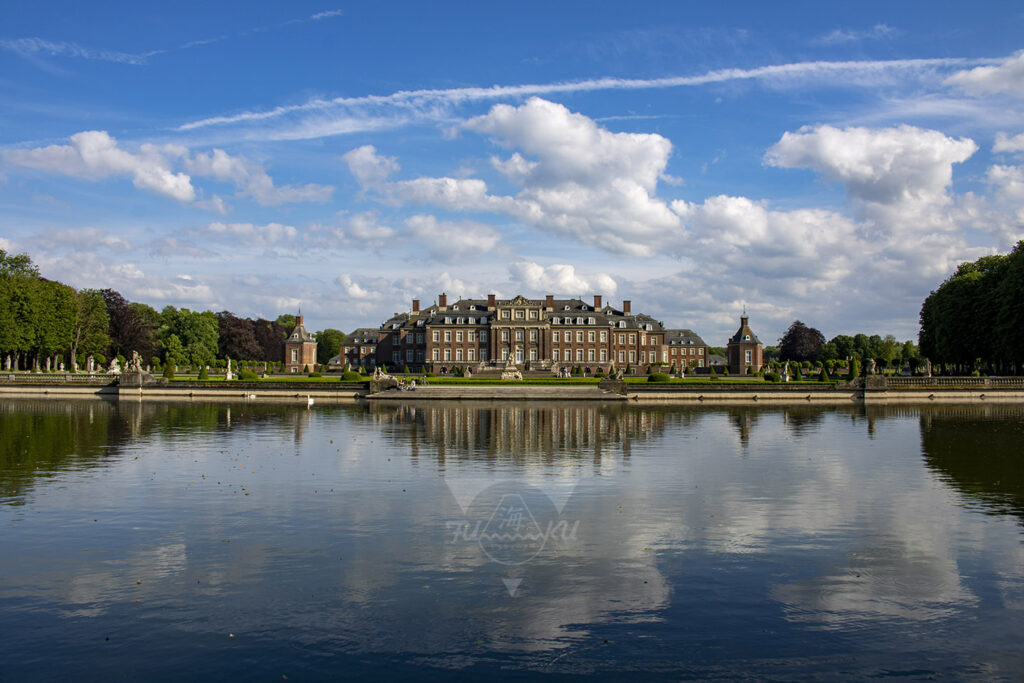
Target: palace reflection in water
x,y
709,540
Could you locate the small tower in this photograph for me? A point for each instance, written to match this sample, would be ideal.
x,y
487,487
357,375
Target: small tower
x,y
744,348
299,349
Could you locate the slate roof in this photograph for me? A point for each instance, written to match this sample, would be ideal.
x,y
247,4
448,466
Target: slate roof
x,y
362,336
683,338
744,330
299,333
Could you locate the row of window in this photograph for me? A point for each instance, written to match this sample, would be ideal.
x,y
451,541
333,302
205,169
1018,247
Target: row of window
x,y
682,352
460,354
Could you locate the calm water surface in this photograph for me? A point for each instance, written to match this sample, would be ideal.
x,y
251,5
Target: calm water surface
x,y
147,541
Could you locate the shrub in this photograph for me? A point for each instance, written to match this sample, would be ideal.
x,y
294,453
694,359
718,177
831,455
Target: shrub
x,y
599,375
99,359
772,377
823,377
169,371
405,370
350,376
315,374
725,371
247,376
658,377
713,373
854,369
797,375
430,374
203,374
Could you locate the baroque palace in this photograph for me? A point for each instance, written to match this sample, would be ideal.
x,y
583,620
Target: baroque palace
x,y
547,335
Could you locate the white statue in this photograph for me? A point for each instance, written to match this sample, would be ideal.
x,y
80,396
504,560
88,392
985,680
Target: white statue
x,y
228,374
114,368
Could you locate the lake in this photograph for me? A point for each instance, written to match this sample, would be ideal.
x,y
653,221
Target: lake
x,y
453,540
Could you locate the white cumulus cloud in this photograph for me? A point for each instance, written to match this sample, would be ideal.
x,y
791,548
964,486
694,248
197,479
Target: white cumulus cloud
x,y
453,240
1005,77
252,179
560,279
94,155
1006,143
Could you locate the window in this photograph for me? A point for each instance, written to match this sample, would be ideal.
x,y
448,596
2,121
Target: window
x,y
436,337
396,356
519,355
622,323
471,354
504,314
458,354
664,356
408,355
533,354
632,356
447,335
590,355
579,335
472,321
419,337
700,363
294,370
419,355
554,354
746,356
746,337
700,352
483,354
504,354
471,336
519,315
622,356
566,308
533,335
519,335
447,354
483,335
632,339
579,320
579,354
604,336
458,336
604,355
437,354
555,321
643,356
554,336
295,355
460,320
591,321
533,315
447,321
472,308
622,339
365,350
504,335
590,336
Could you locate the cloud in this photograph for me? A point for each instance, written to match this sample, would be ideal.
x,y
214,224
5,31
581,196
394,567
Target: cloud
x,y
559,278
351,288
252,179
584,181
907,168
1005,143
840,36
358,231
35,46
451,240
94,155
1005,77
322,117
83,239
1008,181
327,14
249,233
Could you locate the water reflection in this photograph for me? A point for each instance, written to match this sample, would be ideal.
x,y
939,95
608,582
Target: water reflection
x,y
707,540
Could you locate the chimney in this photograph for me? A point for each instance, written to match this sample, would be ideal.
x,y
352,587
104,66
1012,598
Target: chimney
x,y
442,301
743,321
625,306
491,301
298,321
549,302
415,305
597,302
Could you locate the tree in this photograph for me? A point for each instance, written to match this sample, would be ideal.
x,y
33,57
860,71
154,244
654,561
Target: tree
x,y
133,327
800,343
238,337
270,335
91,326
17,265
328,344
844,346
197,332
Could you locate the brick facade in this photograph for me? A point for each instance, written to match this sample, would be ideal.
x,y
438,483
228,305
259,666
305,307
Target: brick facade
x,y
299,350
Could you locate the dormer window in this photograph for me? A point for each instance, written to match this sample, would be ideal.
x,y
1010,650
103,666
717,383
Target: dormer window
x,y
472,308
447,321
579,320
566,307
556,320
591,321
295,335
622,323
746,337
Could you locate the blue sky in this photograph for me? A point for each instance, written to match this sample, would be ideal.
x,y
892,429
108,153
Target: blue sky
x,y
817,161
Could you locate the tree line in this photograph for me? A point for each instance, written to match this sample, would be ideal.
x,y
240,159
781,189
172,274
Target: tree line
x,y
42,320
802,343
974,321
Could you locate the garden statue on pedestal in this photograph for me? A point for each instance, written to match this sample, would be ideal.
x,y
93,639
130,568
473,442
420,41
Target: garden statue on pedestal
x,y
228,375
114,368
